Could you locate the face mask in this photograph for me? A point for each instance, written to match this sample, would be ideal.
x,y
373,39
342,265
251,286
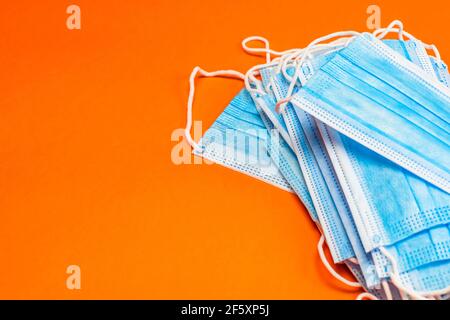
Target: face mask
x,y
416,251
370,179
420,275
361,173
405,249
285,159
387,116
269,100
409,257
265,101
432,245
314,138
419,249
384,229
238,139
346,226
332,226
308,123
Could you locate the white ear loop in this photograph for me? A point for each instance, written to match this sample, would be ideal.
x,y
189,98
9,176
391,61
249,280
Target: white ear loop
x,y
387,289
249,50
390,28
282,103
432,47
252,84
377,33
330,268
367,295
266,50
203,73
412,293
288,58
250,77
403,295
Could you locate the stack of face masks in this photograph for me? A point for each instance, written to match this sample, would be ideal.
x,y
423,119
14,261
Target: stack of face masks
x,y
359,129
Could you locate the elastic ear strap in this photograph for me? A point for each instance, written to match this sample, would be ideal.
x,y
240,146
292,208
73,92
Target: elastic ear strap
x,y
387,289
391,28
377,33
250,74
266,50
366,295
330,268
197,70
435,50
395,279
249,50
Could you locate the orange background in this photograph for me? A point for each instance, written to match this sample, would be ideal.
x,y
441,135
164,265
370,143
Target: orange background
x,y
86,176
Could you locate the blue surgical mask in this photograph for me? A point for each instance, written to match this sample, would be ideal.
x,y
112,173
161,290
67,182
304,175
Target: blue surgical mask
x,y
284,157
422,248
331,187
416,206
429,246
409,258
239,140
312,133
333,228
375,96
382,219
